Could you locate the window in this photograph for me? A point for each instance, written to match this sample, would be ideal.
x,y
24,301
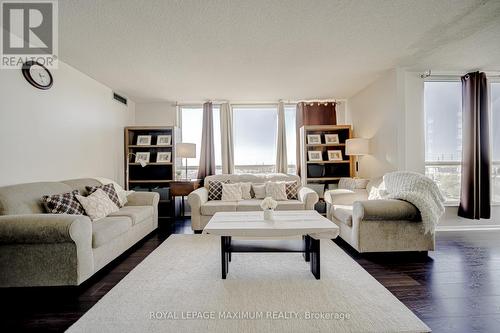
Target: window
x,y
443,136
191,129
291,138
254,138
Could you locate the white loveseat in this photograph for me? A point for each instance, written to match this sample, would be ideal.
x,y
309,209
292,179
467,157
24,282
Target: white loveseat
x,y
203,209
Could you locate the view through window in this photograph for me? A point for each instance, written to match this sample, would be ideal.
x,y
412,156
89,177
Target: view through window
x,y
254,129
443,136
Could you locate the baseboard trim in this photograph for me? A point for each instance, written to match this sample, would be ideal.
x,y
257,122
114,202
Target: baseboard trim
x,y
468,228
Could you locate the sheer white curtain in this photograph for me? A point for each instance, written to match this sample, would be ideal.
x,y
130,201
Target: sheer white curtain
x,y
227,141
281,158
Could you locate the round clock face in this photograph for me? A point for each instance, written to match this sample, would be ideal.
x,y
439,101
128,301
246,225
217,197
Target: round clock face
x,y
37,75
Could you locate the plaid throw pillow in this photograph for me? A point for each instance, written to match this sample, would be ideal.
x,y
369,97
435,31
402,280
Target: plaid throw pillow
x,y
65,203
215,189
292,189
109,190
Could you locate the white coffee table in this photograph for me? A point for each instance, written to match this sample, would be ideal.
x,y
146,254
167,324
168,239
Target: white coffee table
x,y
309,224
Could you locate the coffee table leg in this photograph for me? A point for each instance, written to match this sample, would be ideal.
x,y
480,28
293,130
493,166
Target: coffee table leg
x,y
307,247
315,255
224,241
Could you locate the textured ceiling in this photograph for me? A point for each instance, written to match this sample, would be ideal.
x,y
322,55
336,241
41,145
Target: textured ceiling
x,y
270,49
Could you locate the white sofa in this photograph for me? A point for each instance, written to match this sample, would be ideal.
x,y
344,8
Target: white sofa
x,y
203,209
382,225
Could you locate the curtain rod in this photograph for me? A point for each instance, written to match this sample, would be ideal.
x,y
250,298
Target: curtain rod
x,y
429,73
184,103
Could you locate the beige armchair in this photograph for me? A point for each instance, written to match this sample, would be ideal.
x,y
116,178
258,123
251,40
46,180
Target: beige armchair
x,y
377,225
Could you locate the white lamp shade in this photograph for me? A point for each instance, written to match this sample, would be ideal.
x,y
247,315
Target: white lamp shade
x,y
357,146
186,150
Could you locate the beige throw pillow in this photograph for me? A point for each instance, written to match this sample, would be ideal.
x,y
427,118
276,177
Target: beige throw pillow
x,y
276,190
97,205
259,191
231,192
246,191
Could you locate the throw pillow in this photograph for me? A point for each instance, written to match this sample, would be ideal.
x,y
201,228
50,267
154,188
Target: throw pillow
x,y
122,194
292,189
65,203
97,205
215,189
276,190
109,189
259,191
231,192
246,191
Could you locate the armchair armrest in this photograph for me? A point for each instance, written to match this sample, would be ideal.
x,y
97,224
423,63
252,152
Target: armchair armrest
x,y
45,229
345,197
141,198
309,197
385,210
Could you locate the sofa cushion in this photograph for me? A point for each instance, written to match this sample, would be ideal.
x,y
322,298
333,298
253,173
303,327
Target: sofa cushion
x,y
26,198
108,228
246,191
212,207
259,191
343,213
249,205
137,214
290,205
65,203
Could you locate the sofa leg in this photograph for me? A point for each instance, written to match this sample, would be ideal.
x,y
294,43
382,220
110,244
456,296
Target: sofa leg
x,y
198,231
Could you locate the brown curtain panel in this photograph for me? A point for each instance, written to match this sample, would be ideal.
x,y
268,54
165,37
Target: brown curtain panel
x,y
476,160
207,151
315,114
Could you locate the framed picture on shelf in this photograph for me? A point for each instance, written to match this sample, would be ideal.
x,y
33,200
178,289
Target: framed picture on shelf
x,y
163,157
315,155
144,140
142,156
164,140
313,139
332,139
335,155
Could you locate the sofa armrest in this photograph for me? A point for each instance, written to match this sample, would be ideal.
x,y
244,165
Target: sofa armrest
x,y
141,198
197,198
385,210
345,197
309,197
45,229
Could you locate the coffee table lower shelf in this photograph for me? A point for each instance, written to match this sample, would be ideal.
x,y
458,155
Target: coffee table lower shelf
x,y
309,246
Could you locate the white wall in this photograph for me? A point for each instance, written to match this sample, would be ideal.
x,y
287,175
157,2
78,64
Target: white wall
x,y
156,114
74,129
374,114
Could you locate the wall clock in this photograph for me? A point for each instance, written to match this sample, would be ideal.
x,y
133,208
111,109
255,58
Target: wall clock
x,y
37,75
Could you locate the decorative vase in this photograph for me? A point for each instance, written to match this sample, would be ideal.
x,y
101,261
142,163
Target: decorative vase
x,y
268,214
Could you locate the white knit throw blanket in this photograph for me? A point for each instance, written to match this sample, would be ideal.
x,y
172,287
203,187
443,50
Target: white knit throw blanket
x,y
420,191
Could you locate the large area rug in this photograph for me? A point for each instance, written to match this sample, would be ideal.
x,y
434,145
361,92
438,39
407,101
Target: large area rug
x,y
178,288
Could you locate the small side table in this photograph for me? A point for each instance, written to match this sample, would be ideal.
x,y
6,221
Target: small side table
x,y
182,188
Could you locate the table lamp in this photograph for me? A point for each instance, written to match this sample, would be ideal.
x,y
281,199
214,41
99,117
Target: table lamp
x,y
357,147
186,150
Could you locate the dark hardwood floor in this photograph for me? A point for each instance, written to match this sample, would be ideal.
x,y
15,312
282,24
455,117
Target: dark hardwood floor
x,y
454,289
